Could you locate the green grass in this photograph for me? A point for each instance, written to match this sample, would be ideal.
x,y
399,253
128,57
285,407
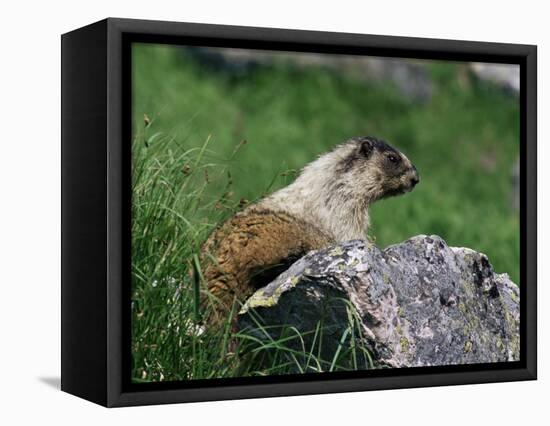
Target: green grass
x,y
215,141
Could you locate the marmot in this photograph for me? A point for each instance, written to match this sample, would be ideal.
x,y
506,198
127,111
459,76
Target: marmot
x,y
326,204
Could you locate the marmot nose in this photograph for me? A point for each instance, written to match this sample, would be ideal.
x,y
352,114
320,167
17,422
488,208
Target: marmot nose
x,y
415,179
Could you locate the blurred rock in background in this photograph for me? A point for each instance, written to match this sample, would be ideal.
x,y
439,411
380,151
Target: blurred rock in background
x,y
515,186
505,76
410,77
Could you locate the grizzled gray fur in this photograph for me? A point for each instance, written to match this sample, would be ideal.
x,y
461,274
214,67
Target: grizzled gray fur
x,y
419,303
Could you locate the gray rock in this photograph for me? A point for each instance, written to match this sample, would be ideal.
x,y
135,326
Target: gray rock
x,y
417,303
505,76
411,78
515,178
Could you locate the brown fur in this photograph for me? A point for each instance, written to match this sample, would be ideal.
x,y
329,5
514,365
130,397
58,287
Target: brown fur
x,y
244,246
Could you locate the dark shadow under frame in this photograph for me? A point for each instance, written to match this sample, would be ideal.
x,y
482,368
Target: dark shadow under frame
x,y
107,330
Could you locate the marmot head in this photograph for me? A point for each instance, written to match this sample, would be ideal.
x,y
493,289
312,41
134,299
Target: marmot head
x,y
375,169
334,191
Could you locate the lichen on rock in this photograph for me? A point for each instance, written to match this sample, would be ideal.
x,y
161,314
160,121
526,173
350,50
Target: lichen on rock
x,y
419,303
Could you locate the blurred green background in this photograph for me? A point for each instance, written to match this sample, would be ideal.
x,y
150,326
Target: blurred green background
x,y
463,140
210,135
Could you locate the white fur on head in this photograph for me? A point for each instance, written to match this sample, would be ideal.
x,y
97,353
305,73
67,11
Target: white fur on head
x,y
327,197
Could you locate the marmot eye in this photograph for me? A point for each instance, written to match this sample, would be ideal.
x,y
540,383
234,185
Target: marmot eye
x,y
393,158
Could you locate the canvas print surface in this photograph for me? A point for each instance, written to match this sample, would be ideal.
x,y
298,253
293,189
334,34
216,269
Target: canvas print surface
x,y
306,213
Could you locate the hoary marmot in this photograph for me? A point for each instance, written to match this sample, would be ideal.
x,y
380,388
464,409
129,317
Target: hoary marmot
x,y
326,204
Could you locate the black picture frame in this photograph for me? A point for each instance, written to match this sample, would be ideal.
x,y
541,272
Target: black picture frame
x,y
96,211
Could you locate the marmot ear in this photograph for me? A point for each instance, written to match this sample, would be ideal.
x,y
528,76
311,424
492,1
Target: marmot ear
x,y
366,147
